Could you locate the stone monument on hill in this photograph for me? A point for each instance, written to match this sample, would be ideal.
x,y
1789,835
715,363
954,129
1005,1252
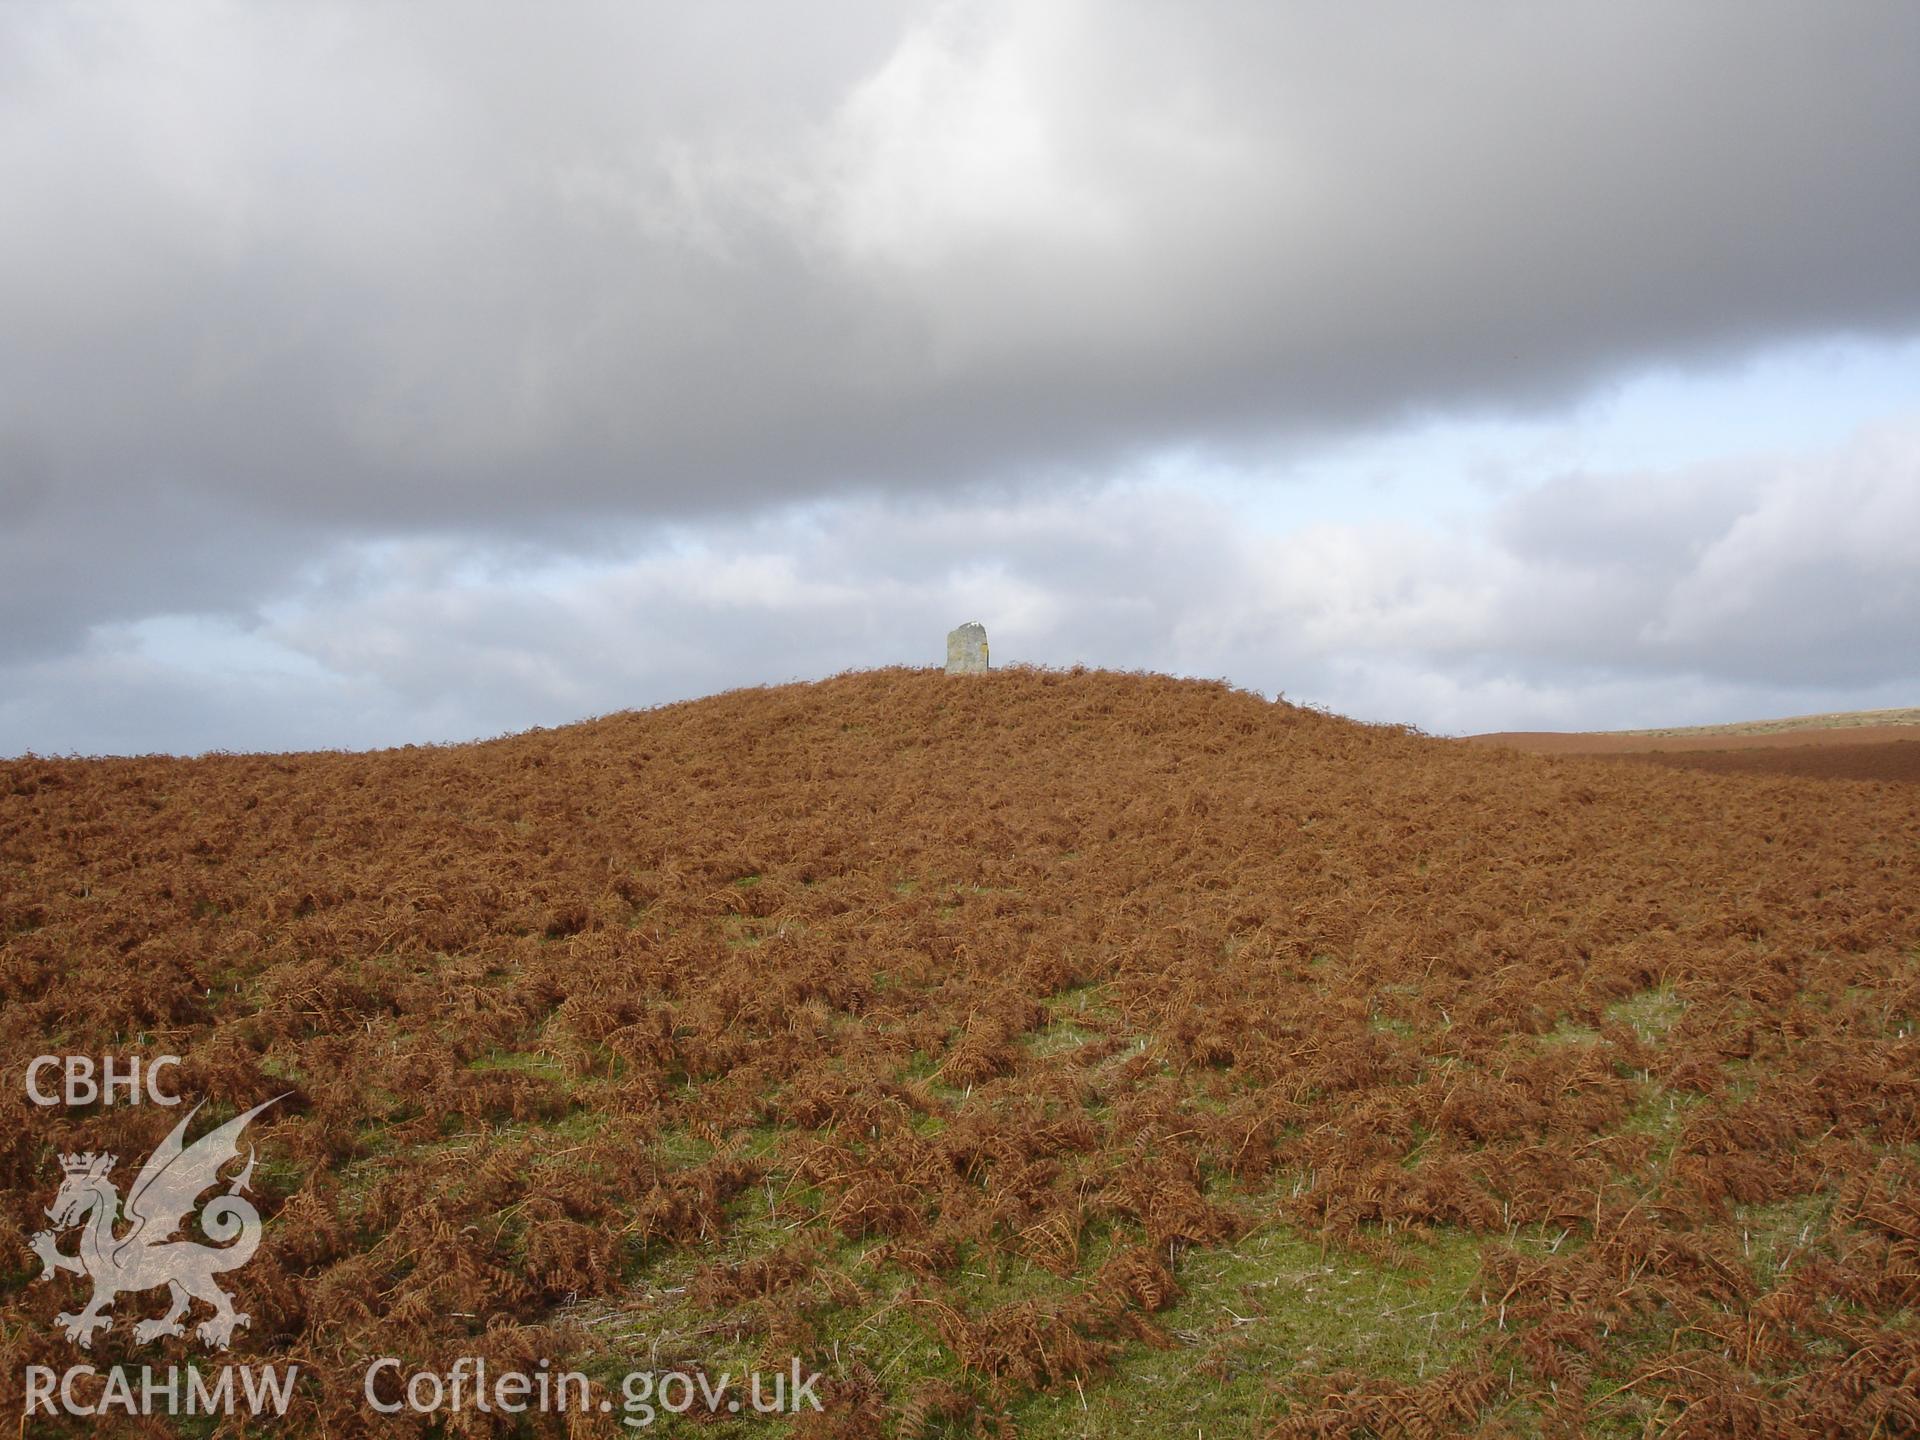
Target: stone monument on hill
x,y
967,649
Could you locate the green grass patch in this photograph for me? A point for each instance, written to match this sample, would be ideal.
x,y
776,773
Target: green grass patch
x,y
522,1062
1273,1304
1651,1013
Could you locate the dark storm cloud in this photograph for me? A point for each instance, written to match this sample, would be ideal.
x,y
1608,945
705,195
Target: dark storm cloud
x,y
456,261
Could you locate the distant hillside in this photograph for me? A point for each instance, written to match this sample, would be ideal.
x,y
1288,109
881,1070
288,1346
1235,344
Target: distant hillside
x,y
1856,745
1792,729
1086,1053
1838,720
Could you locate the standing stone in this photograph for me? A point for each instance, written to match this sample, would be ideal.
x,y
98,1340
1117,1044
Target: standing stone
x,y
967,649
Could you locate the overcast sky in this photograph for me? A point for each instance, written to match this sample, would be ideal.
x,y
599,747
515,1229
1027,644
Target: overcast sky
x,y
376,373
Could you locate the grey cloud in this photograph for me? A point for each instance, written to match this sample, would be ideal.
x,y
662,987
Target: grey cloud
x,y
72,559
1782,569
1793,592
469,270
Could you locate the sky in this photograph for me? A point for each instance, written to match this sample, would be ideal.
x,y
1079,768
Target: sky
x,y
380,374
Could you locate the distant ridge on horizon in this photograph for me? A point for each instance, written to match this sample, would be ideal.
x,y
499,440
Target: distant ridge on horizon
x,y
1845,745
1834,720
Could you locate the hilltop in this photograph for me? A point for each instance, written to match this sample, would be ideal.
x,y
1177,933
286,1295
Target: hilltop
x,y
1089,1053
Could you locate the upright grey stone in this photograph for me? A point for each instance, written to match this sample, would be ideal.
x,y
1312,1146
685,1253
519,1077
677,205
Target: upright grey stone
x,y
967,649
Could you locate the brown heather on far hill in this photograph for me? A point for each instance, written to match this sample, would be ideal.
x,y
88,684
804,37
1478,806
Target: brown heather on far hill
x,y
1791,724
1840,725
971,1038
1859,745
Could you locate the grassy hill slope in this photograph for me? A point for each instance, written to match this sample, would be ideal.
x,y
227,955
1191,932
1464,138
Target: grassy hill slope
x,y
1092,1054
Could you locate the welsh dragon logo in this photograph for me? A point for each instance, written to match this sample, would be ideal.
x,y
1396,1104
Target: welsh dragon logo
x,y
148,1254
